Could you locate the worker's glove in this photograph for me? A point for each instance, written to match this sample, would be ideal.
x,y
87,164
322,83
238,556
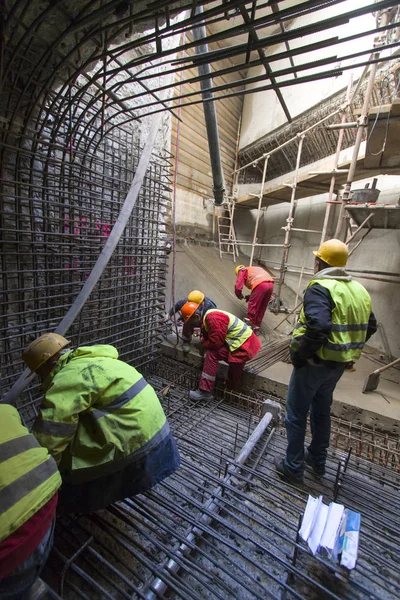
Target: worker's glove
x,y
247,298
296,361
313,363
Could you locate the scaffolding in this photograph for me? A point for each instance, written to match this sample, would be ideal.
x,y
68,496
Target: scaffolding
x,y
344,199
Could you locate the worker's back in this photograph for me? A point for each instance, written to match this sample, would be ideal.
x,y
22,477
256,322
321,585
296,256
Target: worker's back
x,y
28,475
98,412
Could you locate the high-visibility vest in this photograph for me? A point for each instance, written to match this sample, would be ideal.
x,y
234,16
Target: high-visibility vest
x,y
29,477
350,318
255,276
98,414
238,332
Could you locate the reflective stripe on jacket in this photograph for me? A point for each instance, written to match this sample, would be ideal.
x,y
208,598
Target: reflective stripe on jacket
x,y
350,318
255,276
98,414
238,332
29,477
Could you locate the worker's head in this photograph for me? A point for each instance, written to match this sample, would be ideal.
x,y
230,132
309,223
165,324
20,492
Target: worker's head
x,y
196,296
238,269
188,312
332,253
42,354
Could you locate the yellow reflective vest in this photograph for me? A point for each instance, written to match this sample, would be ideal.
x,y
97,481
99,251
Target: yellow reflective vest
x,y
350,318
29,477
238,332
98,414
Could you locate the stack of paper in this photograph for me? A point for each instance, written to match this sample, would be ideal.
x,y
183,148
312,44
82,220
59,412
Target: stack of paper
x,y
331,530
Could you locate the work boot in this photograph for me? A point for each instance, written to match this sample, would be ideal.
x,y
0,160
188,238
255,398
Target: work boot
x,y
256,331
318,468
185,347
201,395
284,472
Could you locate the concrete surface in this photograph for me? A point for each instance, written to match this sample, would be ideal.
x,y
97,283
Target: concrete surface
x,y
199,267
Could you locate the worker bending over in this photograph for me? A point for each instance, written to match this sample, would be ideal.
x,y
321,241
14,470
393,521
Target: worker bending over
x,y
29,480
101,421
335,322
261,285
224,337
204,304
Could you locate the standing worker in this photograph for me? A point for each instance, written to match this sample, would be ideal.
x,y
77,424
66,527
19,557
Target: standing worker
x,y
29,480
101,421
203,305
224,337
335,322
261,285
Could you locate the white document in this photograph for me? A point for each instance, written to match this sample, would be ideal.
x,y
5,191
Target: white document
x,y
318,528
310,515
331,530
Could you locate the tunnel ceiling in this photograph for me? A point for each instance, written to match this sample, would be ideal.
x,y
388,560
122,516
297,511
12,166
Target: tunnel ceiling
x,y
50,46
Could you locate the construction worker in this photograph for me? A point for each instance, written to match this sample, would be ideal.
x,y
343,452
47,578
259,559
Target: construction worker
x,y
29,482
335,322
261,285
203,304
224,337
101,421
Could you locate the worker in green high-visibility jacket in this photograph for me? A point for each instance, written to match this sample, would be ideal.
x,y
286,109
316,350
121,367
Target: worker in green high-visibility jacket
x,y
335,322
29,482
101,421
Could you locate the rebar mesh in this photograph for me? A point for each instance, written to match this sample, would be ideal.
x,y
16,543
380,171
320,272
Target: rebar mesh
x,y
60,202
250,549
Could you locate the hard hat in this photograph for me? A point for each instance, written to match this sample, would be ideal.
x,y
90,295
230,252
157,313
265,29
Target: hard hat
x,y
196,296
188,310
238,269
334,252
43,348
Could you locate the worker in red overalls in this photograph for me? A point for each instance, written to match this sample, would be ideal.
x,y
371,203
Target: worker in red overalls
x,y
224,337
261,285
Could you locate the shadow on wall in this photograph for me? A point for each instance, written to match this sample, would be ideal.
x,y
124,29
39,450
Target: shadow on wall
x,y
195,231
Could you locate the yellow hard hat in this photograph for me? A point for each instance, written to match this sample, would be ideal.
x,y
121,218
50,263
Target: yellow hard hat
x,y
238,269
188,310
44,347
334,252
196,296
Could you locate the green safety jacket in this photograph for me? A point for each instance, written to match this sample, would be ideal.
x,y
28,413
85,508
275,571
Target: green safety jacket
x,y
29,477
238,332
350,317
98,414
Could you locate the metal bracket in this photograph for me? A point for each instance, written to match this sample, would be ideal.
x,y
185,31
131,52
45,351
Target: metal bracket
x,y
272,407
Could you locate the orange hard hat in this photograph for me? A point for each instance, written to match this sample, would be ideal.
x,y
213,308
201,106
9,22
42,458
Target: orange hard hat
x,y
188,310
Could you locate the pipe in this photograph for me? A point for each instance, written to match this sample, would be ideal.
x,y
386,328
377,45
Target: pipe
x,y
259,208
26,377
158,587
210,115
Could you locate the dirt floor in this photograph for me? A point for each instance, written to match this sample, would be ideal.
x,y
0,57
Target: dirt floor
x,y
199,267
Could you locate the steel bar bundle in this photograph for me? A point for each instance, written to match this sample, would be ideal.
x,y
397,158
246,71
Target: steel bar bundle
x,y
269,355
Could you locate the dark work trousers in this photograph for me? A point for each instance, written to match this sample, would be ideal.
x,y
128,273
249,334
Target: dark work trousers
x,y
310,388
258,302
136,478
